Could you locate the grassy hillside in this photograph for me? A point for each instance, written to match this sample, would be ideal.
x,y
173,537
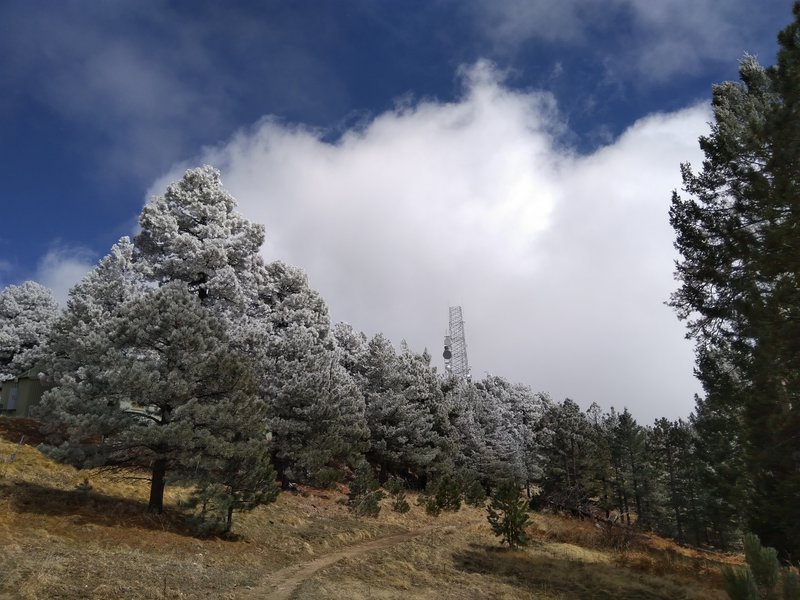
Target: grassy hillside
x,y
58,540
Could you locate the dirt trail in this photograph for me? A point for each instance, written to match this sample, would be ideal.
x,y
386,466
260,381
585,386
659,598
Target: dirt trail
x,y
280,584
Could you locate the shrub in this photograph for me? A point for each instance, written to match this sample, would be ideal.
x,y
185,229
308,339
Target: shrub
x,y
327,477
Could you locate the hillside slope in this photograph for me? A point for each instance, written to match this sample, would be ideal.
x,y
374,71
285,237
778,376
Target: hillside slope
x,y
59,539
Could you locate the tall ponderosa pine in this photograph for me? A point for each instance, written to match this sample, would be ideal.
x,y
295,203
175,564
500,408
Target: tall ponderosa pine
x,y
740,275
155,385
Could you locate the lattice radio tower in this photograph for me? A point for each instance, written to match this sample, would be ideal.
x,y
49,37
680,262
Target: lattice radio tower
x,y
455,346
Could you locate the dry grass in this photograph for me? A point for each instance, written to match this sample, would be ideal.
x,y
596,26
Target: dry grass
x,y
57,541
470,565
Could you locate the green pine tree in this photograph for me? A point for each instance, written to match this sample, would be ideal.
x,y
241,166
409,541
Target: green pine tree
x,y
507,514
736,232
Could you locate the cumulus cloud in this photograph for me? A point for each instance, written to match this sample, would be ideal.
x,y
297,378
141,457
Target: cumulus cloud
x,y
62,267
561,262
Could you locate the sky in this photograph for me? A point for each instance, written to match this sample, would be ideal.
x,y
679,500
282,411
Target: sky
x,y
513,157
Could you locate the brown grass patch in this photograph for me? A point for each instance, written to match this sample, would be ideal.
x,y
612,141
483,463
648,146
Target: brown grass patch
x,y
57,541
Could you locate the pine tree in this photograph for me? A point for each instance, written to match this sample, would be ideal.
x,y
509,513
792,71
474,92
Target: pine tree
x,y
674,452
737,235
365,494
159,386
315,409
512,417
470,441
235,472
27,314
397,489
403,440
507,515
763,576
567,444
194,234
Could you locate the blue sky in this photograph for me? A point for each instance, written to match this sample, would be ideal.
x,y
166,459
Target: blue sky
x,y
553,104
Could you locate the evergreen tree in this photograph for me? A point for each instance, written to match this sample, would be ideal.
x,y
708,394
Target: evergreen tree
x,y
507,515
27,313
158,387
630,460
352,347
762,577
403,440
92,303
365,495
719,454
316,411
739,272
511,415
235,472
674,451
397,489
472,452
194,234
567,444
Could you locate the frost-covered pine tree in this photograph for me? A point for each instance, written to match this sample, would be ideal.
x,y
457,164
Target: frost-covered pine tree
x,y
194,234
403,440
472,456
316,411
92,302
512,415
27,313
158,386
352,347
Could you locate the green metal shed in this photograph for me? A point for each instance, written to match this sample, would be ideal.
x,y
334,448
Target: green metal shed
x,y
17,396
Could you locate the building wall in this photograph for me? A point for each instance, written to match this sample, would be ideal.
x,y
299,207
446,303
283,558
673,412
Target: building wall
x,y
19,395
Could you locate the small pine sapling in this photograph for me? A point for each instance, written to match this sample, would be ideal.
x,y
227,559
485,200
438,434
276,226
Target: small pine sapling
x,y
739,583
239,482
763,576
763,562
327,477
474,494
428,500
448,494
365,494
507,514
397,490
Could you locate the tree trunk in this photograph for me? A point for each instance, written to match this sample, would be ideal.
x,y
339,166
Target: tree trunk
x,y
157,484
229,522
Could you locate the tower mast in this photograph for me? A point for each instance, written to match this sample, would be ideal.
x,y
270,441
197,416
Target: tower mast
x,y
455,346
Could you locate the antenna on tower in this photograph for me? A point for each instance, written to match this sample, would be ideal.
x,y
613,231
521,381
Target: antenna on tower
x,y
455,346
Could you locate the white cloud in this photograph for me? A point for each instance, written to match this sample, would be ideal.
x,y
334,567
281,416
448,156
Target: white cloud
x,y
561,262
62,267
